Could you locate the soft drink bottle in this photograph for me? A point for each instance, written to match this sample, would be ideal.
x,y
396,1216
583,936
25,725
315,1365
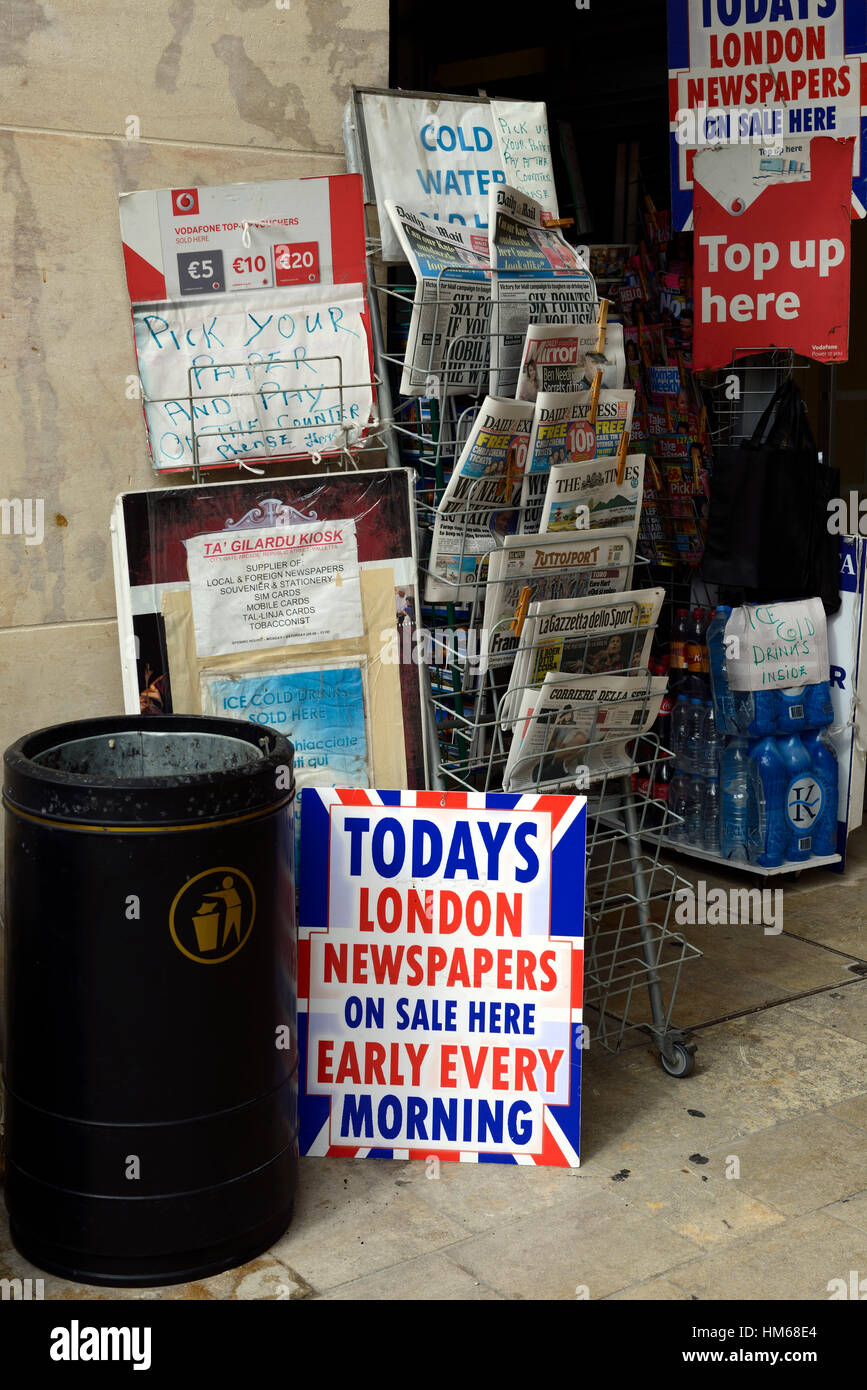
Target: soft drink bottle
x,y
659,791
803,798
769,846
737,801
677,649
826,772
818,708
711,837
723,700
693,830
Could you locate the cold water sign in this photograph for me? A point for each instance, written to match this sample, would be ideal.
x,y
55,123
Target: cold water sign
x,y
441,968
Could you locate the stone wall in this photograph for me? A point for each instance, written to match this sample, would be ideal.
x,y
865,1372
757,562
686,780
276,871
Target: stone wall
x,y
252,89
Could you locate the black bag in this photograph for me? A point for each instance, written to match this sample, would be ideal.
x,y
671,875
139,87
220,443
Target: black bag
x,y
767,529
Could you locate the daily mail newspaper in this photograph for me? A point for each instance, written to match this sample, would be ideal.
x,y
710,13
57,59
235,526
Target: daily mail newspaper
x,y
563,357
591,636
562,433
551,567
588,495
448,342
479,505
537,278
575,729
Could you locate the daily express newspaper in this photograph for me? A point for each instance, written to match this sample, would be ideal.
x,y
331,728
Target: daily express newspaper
x,y
588,495
448,342
590,636
537,278
479,505
551,567
563,357
575,729
562,434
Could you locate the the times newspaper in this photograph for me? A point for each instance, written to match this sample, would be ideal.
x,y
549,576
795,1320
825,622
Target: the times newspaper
x,y
587,495
563,357
574,729
551,567
537,278
448,341
591,636
479,505
562,433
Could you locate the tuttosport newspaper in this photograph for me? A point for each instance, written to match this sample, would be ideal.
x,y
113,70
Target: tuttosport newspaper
x,y
563,357
448,342
479,505
537,278
562,433
551,567
575,729
590,636
587,495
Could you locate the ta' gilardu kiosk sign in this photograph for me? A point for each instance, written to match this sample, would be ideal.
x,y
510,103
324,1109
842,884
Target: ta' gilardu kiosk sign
x,y
440,975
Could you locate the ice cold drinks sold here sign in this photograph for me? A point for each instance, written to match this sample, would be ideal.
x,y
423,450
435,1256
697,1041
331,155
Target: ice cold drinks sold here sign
x,y
440,975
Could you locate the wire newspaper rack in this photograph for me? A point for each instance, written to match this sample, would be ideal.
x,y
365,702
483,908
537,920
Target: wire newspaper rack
x,y
633,954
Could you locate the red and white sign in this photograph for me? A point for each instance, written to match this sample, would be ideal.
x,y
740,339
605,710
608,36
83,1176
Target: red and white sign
x,y
771,257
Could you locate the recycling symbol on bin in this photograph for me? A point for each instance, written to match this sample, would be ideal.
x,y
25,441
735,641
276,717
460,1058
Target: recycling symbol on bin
x,y
212,915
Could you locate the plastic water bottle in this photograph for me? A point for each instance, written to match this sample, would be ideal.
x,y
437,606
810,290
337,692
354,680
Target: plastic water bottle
x,y
712,743
736,800
711,836
694,812
677,795
826,773
803,798
678,727
769,849
791,710
693,741
818,708
723,700
756,712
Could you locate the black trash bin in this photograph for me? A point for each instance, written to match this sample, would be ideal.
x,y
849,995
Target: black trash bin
x,y
150,1046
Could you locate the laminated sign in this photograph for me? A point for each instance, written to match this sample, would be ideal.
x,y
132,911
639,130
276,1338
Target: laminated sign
x,y
771,258
440,970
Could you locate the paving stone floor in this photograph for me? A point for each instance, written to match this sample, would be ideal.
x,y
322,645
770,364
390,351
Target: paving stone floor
x,y
746,1180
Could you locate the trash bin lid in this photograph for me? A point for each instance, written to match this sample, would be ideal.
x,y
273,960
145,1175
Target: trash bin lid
x,y
148,770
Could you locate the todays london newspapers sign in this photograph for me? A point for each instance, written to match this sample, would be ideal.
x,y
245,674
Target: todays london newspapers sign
x,y
440,975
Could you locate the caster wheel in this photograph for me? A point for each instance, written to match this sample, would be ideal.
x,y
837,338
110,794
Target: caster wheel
x,y
684,1060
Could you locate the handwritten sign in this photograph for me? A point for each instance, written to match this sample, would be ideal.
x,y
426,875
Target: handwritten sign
x,y
441,936
522,135
777,646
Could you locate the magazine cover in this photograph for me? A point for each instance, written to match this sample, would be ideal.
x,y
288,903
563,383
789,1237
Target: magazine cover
x,y
588,495
575,729
551,567
563,357
479,506
591,636
562,433
537,278
238,598
448,340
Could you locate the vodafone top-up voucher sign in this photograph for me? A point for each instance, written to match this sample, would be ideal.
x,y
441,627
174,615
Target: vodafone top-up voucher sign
x,y
440,975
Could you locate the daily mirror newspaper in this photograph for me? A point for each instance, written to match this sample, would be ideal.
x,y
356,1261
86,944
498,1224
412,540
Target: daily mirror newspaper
x,y
551,567
562,433
537,278
479,505
587,495
575,729
590,636
563,357
448,341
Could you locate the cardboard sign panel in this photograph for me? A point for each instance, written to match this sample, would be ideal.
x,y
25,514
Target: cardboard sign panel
x,y
440,970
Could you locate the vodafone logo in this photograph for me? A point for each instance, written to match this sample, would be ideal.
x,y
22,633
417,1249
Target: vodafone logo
x,y
185,201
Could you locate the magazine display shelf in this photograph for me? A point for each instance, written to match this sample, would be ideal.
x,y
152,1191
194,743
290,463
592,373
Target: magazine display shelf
x,y
633,955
